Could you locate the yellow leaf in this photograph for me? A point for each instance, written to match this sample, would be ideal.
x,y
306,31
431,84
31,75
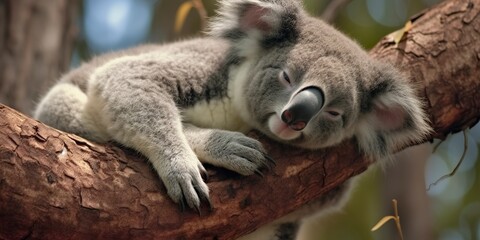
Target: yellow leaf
x,y
398,35
381,222
182,13
408,26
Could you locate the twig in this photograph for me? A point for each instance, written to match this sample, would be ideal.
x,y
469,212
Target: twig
x,y
465,148
396,218
436,146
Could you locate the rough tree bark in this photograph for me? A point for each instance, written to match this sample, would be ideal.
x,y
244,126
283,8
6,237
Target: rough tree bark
x,y
441,54
446,69
55,185
35,47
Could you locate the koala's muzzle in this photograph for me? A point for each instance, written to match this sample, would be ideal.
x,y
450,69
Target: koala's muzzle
x,y
302,107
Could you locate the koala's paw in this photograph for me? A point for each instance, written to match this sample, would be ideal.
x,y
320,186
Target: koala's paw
x,y
185,185
237,152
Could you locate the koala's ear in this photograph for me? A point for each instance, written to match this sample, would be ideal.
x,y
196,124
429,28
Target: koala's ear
x,y
392,116
257,20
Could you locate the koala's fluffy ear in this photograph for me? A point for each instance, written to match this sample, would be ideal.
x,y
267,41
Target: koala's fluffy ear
x,y
253,20
392,116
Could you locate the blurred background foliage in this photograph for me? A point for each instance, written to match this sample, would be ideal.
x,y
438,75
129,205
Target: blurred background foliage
x,y
454,204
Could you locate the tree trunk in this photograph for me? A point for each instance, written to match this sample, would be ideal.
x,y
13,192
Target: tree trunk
x,y
55,185
36,42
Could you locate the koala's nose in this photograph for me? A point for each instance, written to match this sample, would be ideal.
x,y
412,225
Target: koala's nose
x,y
302,107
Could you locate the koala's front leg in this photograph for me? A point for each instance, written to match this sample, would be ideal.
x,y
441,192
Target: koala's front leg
x,y
137,113
228,149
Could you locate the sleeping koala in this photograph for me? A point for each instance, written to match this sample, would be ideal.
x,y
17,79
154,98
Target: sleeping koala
x,y
265,65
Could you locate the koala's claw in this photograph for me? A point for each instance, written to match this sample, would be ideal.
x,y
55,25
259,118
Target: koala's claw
x,y
185,185
194,201
197,208
204,174
181,205
206,199
259,173
270,163
270,160
238,152
210,205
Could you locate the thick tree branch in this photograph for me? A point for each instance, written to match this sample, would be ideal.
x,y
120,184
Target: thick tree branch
x,y
55,185
441,55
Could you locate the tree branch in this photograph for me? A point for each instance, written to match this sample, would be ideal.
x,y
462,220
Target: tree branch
x,y
56,185
441,55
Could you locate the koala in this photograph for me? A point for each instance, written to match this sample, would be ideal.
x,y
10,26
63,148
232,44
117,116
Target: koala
x,y
264,65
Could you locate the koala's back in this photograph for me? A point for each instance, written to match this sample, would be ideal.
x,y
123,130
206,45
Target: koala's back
x,y
191,55
79,76
188,71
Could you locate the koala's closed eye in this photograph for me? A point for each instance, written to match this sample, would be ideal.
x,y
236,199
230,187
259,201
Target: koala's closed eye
x,y
333,114
284,78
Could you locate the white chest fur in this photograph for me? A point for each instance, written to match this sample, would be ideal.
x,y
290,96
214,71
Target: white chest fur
x,y
227,112
216,113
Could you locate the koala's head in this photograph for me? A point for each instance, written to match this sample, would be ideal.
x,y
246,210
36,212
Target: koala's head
x,y
304,83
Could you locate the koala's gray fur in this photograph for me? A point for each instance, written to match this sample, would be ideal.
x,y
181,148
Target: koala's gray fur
x,y
191,101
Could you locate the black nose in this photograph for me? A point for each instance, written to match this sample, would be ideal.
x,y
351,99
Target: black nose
x,y
302,107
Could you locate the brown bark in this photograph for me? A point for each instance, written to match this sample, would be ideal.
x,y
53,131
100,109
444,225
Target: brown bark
x,y
35,47
55,185
441,55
